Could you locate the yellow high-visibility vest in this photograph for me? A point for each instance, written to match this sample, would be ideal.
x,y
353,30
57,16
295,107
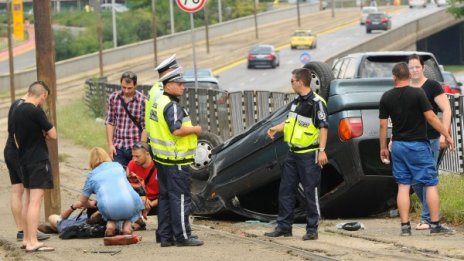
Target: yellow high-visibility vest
x,y
167,148
299,131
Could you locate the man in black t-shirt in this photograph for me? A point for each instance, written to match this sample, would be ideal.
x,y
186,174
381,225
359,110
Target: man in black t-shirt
x,y
31,128
410,110
11,157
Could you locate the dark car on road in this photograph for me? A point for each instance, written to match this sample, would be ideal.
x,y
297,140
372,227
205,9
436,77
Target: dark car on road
x,y
242,175
263,55
378,21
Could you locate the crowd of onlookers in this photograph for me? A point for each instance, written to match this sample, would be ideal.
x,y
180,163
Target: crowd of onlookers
x,y
151,142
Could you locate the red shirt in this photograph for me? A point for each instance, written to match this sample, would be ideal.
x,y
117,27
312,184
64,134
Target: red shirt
x,y
152,188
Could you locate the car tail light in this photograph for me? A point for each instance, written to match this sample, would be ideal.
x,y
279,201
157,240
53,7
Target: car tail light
x,y
250,56
350,128
368,21
384,20
449,90
269,56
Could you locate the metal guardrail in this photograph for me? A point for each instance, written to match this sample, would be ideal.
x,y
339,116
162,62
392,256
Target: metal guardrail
x,y
453,161
228,114
225,114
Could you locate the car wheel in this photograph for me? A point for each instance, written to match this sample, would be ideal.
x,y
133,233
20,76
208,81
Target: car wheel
x,y
273,64
292,47
206,143
368,31
320,78
249,66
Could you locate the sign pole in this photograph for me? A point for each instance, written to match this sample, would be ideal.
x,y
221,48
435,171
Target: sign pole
x,y
192,6
193,50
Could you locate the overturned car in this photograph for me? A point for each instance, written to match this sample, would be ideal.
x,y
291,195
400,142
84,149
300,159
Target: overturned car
x,y
242,175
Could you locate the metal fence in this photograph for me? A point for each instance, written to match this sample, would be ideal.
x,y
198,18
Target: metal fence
x,y
227,114
453,160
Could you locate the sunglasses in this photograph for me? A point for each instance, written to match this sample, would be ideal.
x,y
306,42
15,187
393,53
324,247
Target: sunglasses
x,y
139,145
129,75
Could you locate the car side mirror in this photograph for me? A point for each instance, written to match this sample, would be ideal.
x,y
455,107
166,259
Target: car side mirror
x,y
459,84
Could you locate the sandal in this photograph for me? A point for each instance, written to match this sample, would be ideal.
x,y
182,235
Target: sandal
x,y
423,225
109,232
139,225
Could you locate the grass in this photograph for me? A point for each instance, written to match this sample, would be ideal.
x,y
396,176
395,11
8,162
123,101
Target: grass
x,y
75,122
454,68
451,188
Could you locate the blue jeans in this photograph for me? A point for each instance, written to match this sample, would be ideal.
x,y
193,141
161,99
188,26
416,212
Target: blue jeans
x,y
419,188
123,156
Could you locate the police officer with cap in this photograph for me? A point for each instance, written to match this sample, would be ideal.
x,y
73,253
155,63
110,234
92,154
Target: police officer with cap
x,y
163,68
305,131
173,140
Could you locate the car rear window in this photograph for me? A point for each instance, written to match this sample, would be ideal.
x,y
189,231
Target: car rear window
x,y
200,73
381,66
376,16
301,34
261,50
202,84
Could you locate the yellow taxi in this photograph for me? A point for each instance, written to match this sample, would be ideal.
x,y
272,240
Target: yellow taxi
x,y
303,38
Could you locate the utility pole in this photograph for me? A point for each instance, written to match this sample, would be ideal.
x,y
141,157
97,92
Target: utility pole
x,y
153,24
206,27
45,60
220,11
100,40
115,30
298,12
10,53
256,19
171,11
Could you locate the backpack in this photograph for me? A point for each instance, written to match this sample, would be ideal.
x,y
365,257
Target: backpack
x,y
83,231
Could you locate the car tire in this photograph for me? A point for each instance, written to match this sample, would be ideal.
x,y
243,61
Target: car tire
x,y
273,64
368,31
320,78
206,143
249,66
292,47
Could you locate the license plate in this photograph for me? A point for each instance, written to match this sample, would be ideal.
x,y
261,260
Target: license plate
x,y
375,22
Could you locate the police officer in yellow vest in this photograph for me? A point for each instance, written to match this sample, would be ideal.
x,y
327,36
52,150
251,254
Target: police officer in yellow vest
x,y
305,131
173,140
163,68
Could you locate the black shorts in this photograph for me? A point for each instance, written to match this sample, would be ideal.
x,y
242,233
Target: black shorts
x,y
12,163
38,175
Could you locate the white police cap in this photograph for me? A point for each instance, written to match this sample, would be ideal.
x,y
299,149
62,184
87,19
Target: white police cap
x,y
172,76
169,63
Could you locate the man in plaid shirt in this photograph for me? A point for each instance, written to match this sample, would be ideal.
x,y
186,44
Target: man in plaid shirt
x,y
122,129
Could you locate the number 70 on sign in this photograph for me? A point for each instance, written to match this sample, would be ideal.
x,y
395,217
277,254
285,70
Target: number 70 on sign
x,y
190,6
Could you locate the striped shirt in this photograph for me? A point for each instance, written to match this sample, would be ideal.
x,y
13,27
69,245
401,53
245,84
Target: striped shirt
x,y
125,132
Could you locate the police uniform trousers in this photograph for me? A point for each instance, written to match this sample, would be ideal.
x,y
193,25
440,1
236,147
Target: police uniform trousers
x,y
174,203
299,168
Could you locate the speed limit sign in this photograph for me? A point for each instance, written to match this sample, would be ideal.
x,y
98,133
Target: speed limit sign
x,y
190,6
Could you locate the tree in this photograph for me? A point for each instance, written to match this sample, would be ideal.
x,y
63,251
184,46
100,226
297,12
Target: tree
x,y
457,8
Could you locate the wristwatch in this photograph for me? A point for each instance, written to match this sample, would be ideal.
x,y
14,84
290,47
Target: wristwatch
x,y
321,149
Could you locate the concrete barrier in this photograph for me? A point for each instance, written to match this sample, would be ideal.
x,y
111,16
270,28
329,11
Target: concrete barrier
x,y
87,63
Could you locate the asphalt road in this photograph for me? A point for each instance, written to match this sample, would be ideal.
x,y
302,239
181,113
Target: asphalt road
x,y
240,78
